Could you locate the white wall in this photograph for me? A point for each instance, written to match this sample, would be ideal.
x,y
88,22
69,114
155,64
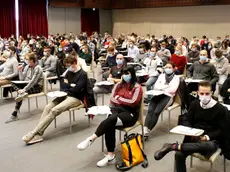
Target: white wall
x,y
105,21
64,20
187,21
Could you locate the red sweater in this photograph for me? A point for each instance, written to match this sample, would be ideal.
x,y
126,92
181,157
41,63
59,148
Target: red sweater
x,y
126,97
180,62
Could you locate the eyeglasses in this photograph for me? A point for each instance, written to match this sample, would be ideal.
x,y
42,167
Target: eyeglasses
x,y
204,94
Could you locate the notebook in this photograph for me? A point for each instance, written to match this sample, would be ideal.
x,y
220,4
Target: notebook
x,y
56,94
20,82
154,92
104,83
187,131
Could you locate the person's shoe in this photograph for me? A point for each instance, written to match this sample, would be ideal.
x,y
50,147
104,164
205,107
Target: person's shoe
x,y
36,139
85,144
21,97
146,132
28,137
167,147
107,160
12,118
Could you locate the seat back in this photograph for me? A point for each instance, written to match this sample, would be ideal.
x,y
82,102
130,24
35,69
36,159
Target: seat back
x,y
92,64
44,90
141,110
185,71
228,69
177,99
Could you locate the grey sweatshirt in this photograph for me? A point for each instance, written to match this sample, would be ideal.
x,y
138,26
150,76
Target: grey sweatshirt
x,y
206,71
193,56
49,63
164,55
221,66
10,68
34,75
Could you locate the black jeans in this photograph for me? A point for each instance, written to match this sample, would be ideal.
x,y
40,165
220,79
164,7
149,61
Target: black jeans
x,y
156,106
205,148
108,126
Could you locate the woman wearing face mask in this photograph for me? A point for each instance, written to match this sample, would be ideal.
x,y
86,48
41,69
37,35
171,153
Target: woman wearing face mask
x,y
125,105
167,84
179,60
225,48
221,65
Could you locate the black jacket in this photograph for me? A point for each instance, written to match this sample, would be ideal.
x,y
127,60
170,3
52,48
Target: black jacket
x,y
77,84
224,91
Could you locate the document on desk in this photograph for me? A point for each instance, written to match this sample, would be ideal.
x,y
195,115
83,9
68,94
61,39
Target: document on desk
x,y
104,83
56,94
99,110
154,92
20,82
183,130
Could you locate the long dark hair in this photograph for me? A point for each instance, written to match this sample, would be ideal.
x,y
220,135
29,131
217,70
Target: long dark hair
x,y
126,71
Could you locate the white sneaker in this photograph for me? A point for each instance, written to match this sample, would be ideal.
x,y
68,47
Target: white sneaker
x,y
86,143
146,132
107,160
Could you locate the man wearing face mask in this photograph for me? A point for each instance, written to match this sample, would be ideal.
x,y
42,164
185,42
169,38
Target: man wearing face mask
x,y
9,68
143,54
32,73
85,54
133,50
221,65
154,67
115,74
39,51
205,114
202,70
48,63
194,54
164,53
76,88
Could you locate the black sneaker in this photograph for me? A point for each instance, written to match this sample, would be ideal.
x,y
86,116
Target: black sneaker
x,y
167,147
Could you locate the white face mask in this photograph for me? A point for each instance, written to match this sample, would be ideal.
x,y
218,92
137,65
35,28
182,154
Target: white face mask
x,y
7,54
205,99
45,54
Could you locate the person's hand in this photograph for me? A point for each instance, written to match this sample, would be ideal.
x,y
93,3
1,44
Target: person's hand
x,y
229,90
21,91
203,138
2,77
117,96
66,81
20,68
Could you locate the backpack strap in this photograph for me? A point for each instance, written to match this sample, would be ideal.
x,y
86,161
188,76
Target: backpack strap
x,y
145,163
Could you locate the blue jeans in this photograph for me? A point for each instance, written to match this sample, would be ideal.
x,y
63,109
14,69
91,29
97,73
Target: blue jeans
x,y
149,84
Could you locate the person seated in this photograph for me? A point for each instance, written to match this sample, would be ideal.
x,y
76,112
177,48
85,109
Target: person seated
x,y
142,55
225,48
125,105
205,114
225,91
183,44
213,50
111,58
194,54
60,68
76,87
48,63
34,75
221,65
154,67
133,50
202,70
168,84
115,75
9,68
164,54
68,46
179,60
39,50
84,54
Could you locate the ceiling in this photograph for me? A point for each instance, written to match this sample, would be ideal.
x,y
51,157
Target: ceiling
x,y
128,4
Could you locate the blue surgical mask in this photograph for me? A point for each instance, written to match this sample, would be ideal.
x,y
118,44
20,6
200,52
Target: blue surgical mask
x,y
27,62
177,52
203,58
168,71
218,59
152,54
59,49
126,78
110,55
71,69
119,62
162,48
209,47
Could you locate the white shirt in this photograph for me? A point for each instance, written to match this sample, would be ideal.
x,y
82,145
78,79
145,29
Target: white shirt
x,y
169,89
151,65
133,52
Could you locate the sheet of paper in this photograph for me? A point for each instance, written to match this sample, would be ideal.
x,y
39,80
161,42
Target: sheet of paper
x,y
99,110
56,94
104,83
193,80
154,92
187,131
20,82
